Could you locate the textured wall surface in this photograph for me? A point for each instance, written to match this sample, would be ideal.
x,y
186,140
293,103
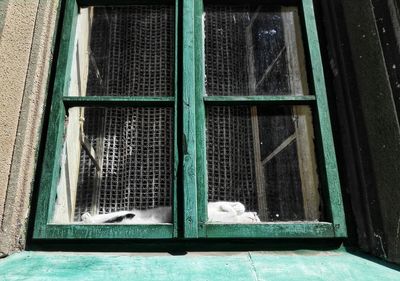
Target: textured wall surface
x,y
25,54
3,11
377,105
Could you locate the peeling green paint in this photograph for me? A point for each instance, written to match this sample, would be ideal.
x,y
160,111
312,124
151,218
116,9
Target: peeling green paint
x,y
285,265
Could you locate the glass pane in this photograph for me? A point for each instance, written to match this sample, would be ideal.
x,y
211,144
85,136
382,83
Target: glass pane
x,y
253,50
124,51
116,159
262,160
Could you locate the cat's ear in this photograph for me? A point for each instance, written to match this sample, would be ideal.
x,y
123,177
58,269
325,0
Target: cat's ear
x,y
87,218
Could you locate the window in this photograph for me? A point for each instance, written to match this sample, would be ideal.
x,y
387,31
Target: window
x,y
176,107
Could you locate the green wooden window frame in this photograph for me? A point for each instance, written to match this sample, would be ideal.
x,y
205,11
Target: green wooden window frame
x,y
192,111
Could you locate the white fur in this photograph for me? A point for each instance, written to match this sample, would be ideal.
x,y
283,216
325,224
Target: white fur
x,y
150,216
230,212
218,212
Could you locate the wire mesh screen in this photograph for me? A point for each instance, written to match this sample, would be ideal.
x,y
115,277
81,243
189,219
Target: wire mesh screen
x,y
233,141
253,152
225,42
134,148
132,51
230,156
88,179
246,50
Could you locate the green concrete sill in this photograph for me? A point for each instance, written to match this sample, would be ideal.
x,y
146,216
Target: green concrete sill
x,y
272,265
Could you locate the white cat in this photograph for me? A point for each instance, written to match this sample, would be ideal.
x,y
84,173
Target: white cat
x,y
150,216
230,212
218,212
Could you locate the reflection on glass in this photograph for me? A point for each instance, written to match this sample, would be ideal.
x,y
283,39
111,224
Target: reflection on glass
x,y
253,50
263,158
124,51
115,159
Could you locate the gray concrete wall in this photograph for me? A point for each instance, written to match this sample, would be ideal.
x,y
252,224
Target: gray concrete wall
x,y
26,38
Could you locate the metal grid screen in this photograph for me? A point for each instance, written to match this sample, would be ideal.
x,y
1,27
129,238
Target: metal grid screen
x,y
245,54
230,160
136,150
132,54
229,137
132,51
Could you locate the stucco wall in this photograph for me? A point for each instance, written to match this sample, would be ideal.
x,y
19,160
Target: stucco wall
x,y
26,37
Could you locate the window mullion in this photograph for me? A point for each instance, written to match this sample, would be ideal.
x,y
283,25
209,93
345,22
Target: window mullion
x,y
176,125
189,123
200,119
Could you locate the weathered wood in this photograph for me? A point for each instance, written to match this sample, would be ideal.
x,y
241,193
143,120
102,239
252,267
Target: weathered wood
x,y
70,160
51,164
189,123
222,266
85,3
294,51
176,126
259,171
335,198
193,164
366,105
259,100
271,230
303,126
105,231
307,162
117,101
201,145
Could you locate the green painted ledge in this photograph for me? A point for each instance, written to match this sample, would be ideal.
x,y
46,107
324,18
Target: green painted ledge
x,y
288,265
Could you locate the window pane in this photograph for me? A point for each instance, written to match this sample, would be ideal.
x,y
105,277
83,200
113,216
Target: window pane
x,y
124,51
253,50
263,158
115,159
